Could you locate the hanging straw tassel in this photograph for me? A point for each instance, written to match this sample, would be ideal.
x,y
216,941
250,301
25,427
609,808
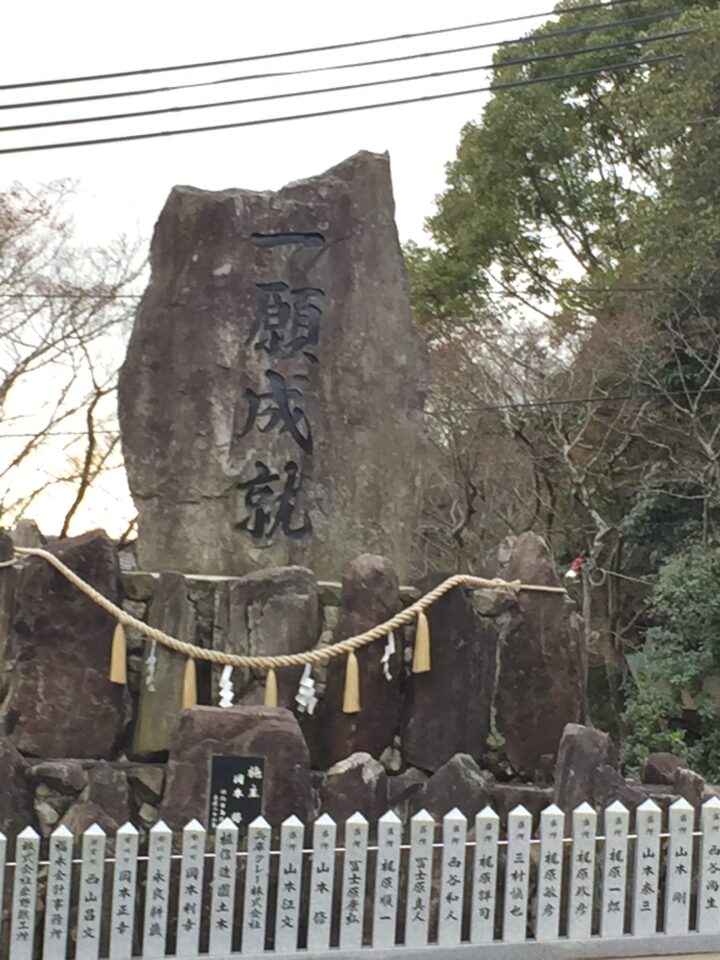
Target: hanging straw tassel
x,y
421,655
189,684
351,698
118,656
271,693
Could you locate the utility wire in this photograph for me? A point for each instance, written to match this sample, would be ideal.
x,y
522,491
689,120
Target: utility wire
x,y
566,401
516,84
323,49
487,408
516,62
551,35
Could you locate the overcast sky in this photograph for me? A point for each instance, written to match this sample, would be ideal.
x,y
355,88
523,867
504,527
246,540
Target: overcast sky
x,y
122,187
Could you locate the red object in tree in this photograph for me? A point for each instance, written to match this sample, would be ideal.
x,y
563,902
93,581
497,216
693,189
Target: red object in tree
x,y
576,565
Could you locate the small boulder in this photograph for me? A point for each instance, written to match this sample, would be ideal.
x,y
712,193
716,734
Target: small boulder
x,y
582,752
105,801
662,767
458,783
506,796
689,785
16,790
356,784
66,777
146,782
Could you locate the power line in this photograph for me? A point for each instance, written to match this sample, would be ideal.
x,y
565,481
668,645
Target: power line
x,y
322,49
516,84
562,401
551,35
518,61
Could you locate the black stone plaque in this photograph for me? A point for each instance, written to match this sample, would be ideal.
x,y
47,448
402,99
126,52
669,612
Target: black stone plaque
x,y
236,788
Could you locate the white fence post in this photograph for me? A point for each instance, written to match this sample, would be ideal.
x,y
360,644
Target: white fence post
x,y
352,908
90,903
288,887
387,880
517,876
3,859
550,872
614,881
190,890
708,919
222,908
647,869
322,882
485,866
257,872
57,895
157,887
452,878
582,872
122,914
22,929
678,867
419,881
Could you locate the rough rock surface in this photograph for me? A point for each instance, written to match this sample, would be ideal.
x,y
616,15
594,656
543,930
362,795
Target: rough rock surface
x,y
458,783
689,785
584,756
369,596
541,680
61,702
356,784
271,399
64,776
272,733
160,703
105,801
507,796
447,710
662,767
273,611
16,790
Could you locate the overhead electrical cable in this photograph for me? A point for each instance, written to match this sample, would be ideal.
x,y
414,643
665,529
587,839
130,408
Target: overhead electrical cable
x,y
518,61
550,35
265,121
321,49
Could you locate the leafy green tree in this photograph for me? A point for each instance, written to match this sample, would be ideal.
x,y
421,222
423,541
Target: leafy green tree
x,y
674,698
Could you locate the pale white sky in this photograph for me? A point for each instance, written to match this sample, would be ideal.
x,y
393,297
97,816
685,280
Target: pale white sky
x,y
122,187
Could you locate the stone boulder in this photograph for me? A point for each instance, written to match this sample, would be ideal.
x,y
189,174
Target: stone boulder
x,y
273,611
265,418
356,784
369,596
662,767
105,801
541,680
270,733
689,785
506,796
61,702
458,783
447,710
584,757
160,700
16,790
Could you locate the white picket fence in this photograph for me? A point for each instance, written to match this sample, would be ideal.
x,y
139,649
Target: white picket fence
x,y
437,891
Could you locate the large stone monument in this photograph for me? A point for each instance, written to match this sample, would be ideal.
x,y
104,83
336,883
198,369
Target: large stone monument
x,y
271,399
